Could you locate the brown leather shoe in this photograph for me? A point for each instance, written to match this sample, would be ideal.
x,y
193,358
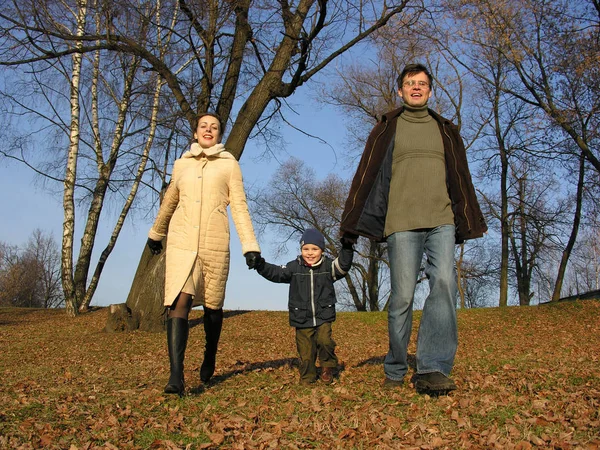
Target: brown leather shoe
x,y
327,375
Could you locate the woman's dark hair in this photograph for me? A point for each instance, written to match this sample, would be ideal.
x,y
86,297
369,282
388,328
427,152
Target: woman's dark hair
x,y
413,69
216,116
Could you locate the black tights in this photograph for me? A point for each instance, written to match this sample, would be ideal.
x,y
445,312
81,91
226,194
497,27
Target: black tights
x,y
181,307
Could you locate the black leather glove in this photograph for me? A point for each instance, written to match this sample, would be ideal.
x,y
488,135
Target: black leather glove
x,y
251,259
154,246
260,263
348,240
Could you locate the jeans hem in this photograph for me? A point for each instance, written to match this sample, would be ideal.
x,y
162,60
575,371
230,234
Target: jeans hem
x,y
424,372
394,378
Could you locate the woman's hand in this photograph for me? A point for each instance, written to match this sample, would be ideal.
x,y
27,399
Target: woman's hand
x,y
154,246
253,260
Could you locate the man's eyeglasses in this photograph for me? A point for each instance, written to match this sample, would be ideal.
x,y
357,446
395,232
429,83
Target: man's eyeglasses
x,y
411,83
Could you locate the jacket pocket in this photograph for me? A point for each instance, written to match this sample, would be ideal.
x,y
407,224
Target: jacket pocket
x,y
217,231
297,314
327,312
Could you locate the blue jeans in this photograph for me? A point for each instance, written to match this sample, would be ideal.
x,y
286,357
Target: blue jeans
x,y
438,335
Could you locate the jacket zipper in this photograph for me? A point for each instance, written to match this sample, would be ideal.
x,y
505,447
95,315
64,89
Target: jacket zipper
x,y
365,171
462,191
203,162
312,298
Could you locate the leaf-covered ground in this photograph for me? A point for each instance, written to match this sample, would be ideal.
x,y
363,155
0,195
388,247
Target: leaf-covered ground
x,y
528,377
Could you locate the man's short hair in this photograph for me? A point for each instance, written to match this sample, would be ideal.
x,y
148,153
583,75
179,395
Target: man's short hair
x,y
413,69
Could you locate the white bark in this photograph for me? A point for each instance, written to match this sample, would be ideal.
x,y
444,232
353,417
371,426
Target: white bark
x,y
71,171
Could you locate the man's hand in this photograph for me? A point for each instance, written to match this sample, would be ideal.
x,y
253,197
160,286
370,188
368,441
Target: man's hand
x,y
348,240
154,246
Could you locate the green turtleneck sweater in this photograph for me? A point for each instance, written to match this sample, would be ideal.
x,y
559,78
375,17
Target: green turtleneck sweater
x,y
418,193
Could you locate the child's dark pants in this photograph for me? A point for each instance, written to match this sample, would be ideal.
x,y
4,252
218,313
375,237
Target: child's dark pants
x,y
312,342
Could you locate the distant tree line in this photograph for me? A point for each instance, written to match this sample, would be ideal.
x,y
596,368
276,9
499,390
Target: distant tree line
x,y
30,275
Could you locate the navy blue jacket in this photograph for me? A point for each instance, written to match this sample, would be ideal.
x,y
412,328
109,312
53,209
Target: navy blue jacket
x,y
312,298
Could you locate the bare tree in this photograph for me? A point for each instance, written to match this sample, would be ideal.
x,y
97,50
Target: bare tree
x,y
268,49
295,200
43,249
506,137
537,41
17,284
562,268
524,51
70,286
535,211
478,278
584,275
30,277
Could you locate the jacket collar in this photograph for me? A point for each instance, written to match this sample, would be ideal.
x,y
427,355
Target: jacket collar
x,y
304,263
196,150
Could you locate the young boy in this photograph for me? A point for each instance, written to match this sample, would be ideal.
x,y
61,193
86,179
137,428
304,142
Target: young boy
x,y
312,301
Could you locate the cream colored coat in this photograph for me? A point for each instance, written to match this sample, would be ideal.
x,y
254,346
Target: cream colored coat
x,y
193,214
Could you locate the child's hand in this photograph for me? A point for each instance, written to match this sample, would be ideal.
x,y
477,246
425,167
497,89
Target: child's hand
x,y
260,263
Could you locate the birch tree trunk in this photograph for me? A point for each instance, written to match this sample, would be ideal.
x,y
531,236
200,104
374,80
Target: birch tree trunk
x,y
71,300
128,203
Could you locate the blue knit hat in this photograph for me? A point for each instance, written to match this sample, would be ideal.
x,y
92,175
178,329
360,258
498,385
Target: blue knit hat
x,y
312,236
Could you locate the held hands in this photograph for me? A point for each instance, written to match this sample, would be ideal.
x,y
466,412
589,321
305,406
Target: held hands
x,y
348,240
154,246
254,260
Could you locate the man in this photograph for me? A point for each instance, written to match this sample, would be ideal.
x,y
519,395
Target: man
x,y
413,189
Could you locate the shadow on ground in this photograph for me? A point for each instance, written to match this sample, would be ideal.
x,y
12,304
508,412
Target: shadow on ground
x,y
377,360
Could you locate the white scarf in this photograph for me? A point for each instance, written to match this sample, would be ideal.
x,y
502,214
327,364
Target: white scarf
x,y
197,150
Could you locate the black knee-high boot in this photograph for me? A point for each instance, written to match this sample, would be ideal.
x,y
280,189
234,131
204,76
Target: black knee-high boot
x,y
213,322
177,336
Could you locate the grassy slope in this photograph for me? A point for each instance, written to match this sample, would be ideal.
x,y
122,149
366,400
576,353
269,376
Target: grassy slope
x,y
528,377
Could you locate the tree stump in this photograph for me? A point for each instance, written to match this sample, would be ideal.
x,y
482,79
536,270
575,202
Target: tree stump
x,y
144,309
119,319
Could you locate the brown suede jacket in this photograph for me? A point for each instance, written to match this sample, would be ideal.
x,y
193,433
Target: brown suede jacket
x,y
366,207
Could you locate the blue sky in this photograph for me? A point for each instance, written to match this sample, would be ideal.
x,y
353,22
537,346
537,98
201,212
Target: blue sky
x,y
26,205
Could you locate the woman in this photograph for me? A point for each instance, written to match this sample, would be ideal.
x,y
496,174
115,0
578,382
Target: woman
x,y
193,217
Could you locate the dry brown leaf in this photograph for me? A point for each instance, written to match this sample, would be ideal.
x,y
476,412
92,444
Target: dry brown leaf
x,y
216,438
347,433
536,440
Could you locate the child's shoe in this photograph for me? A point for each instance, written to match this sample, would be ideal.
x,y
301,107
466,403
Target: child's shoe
x,y
327,375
